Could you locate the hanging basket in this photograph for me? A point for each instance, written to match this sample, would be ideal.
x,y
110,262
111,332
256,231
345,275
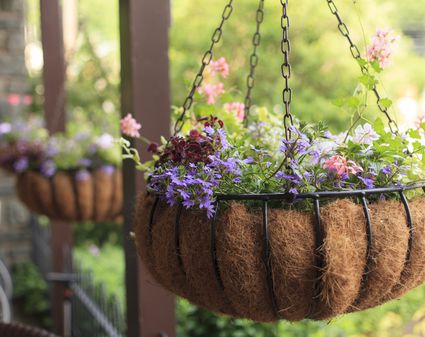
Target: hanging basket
x,y
260,259
97,196
270,264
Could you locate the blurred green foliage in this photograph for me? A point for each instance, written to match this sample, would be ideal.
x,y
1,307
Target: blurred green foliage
x,y
323,69
31,293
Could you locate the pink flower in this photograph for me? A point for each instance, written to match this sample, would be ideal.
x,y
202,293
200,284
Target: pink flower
x,y
14,99
219,67
237,108
212,91
27,99
380,49
341,166
130,127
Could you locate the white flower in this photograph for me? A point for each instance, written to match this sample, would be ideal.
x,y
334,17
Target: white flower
x,y
105,141
365,134
5,128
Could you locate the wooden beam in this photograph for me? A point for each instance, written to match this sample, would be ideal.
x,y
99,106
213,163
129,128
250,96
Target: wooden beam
x,y
54,111
145,91
54,64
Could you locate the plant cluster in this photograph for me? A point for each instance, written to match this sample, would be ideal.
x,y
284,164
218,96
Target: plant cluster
x,y
25,145
220,155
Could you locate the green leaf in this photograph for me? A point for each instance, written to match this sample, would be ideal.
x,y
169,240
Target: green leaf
x,y
375,65
339,102
385,103
368,81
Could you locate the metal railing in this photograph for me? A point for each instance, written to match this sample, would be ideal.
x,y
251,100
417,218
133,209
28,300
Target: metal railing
x,y
6,291
94,312
89,310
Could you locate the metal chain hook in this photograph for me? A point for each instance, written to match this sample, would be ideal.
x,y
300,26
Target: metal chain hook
x,y
286,69
342,27
206,60
253,60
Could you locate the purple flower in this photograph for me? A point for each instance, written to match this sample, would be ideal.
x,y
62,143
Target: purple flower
x,y
84,162
248,160
21,164
369,183
188,203
48,168
387,170
293,190
209,130
107,169
82,175
94,250
223,138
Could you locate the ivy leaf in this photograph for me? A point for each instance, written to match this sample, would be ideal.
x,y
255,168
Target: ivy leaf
x,y
362,62
385,103
379,126
375,65
353,102
368,81
339,102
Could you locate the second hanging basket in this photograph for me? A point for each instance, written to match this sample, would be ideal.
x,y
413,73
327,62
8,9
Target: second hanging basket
x,y
271,264
73,195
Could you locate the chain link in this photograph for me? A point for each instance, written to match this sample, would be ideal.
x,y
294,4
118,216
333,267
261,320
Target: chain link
x,y
206,60
286,69
253,60
342,27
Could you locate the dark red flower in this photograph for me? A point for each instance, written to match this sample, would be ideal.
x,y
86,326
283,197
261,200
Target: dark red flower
x,y
153,148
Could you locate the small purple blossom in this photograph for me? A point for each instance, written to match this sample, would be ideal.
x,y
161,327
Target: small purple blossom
x,y
21,164
368,182
387,170
209,130
84,162
293,190
48,168
82,175
107,169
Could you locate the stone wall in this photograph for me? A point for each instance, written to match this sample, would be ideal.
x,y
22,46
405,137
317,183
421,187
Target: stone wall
x,y
14,219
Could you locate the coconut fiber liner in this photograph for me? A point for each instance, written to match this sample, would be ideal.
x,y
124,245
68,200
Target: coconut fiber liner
x,y
339,277
97,197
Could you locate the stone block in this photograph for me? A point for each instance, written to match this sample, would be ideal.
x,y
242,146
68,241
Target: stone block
x,y
15,42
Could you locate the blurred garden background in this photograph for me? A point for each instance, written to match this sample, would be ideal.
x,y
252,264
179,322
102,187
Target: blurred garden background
x,y
323,71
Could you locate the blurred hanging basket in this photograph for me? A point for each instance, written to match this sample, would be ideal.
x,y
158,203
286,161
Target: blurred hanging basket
x,y
351,252
73,195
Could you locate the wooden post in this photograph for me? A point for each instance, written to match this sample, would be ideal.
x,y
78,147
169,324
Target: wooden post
x,y
54,65
54,110
145,91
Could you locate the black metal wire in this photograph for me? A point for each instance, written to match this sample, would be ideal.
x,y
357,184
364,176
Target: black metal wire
x,y
369,236
151,218
206,60
409,224
314,195
319,258
267,260
214,247
253,60
177,236
342,27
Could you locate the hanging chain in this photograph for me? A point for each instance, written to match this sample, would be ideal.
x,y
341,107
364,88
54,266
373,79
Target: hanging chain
x,y
206,60
285,47
342,27
253,60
